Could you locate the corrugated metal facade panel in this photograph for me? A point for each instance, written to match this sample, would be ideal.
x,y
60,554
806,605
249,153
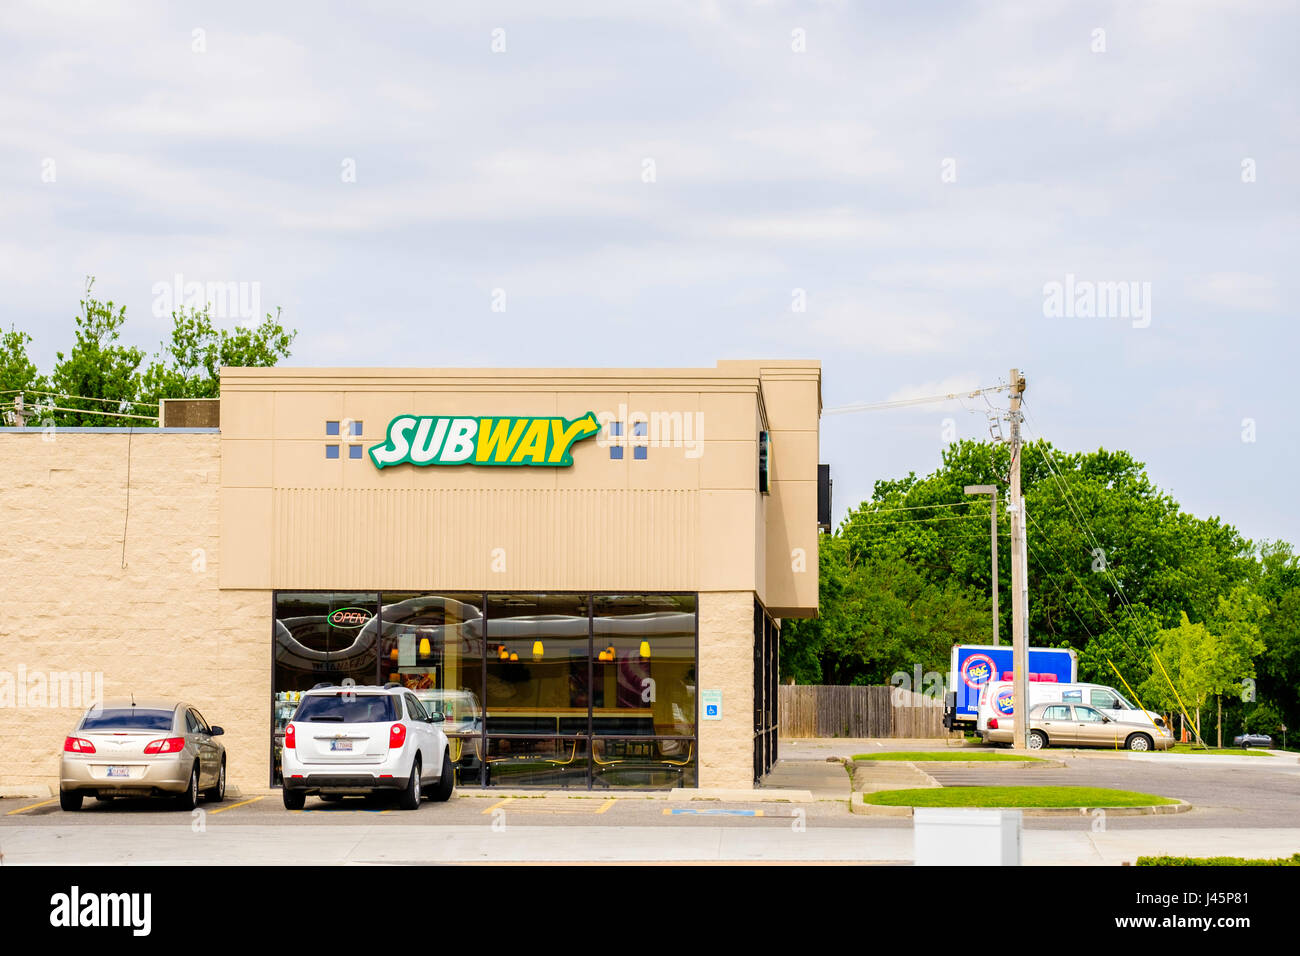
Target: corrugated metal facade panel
x,y
493,539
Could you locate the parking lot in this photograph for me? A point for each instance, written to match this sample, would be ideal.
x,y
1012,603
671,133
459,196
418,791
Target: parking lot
x,y
1238,803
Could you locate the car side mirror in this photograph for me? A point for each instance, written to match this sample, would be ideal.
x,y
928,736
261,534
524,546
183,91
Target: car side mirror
x,y
216,731
437,717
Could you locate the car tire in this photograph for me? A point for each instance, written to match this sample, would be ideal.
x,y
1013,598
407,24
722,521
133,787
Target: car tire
x,y
218,793
294,799
70,799
446,783
190,798
409,799
1138,742
1037,740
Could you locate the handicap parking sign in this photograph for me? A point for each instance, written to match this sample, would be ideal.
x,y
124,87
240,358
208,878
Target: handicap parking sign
x,y
712,704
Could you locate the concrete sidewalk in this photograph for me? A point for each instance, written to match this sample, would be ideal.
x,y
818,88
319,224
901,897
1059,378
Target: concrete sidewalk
x,y
282,846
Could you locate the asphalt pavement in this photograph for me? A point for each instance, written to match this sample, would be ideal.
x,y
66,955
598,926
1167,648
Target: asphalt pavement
x,y
1242,806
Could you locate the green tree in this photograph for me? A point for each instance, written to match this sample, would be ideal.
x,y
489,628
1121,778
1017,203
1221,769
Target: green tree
x,y
880,616
18,374
189,365
1236,628
1186,653
98,377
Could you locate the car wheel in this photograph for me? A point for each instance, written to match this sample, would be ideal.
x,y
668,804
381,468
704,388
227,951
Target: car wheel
x,y
217,793
1037,740
294,799
70,799
447,782
190,798
410,797
1139,742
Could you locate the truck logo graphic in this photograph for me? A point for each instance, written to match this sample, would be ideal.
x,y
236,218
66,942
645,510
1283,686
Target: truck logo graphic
x,y
977,670
1005,703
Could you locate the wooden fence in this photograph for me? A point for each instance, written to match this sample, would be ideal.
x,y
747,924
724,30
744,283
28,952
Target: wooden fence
x,y
823,710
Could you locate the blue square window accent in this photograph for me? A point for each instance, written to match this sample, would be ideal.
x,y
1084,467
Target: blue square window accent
x,y
616,429
332,428
331,451
639,452
616,452
354,451
640,429
355,430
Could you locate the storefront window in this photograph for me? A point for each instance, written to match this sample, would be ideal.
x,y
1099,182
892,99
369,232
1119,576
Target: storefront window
x,y
644,663
537,674
433,644
538,690
319,637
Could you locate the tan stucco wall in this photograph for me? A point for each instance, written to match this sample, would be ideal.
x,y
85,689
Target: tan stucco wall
x,y
727,664
156,627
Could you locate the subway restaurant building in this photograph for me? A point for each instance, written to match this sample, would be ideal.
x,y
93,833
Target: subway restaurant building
x,y
585,569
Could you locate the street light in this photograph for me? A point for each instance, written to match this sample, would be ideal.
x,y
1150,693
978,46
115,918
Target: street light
x,y
993,536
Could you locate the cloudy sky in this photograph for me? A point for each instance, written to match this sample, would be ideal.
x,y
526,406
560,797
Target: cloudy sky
x,y
887,187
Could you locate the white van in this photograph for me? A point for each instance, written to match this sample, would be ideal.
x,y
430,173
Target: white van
x,y
997,700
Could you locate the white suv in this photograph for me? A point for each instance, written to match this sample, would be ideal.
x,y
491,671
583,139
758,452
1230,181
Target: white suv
x,y
352,739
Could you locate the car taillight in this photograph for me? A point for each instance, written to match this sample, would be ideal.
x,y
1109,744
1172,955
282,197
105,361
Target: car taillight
x,y
396,736
78,745
290,738
167,745
993,723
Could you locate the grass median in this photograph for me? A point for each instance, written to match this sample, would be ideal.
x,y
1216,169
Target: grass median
x,y
1293,860
962,755
1014,797
1219,751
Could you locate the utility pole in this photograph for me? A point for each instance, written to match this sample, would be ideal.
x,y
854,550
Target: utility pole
x,y
993,537
1019,575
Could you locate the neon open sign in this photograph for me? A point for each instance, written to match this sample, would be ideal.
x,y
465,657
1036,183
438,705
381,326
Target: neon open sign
x,y
348,617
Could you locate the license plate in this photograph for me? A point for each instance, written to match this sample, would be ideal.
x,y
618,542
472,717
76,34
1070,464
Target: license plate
x,y
119,771
337,745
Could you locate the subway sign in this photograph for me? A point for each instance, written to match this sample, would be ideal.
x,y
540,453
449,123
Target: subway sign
x,y
454,440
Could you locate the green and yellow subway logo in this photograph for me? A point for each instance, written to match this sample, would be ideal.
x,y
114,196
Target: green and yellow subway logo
x,y
452,440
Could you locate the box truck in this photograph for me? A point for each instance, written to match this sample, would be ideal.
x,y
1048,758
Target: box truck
x,y
974,666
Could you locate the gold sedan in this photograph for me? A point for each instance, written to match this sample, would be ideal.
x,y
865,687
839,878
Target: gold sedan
x,y
1077,725
138,748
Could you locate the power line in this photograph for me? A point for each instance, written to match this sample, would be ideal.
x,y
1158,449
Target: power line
x,y
81,398
978,517
904,402
92,411
881,511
